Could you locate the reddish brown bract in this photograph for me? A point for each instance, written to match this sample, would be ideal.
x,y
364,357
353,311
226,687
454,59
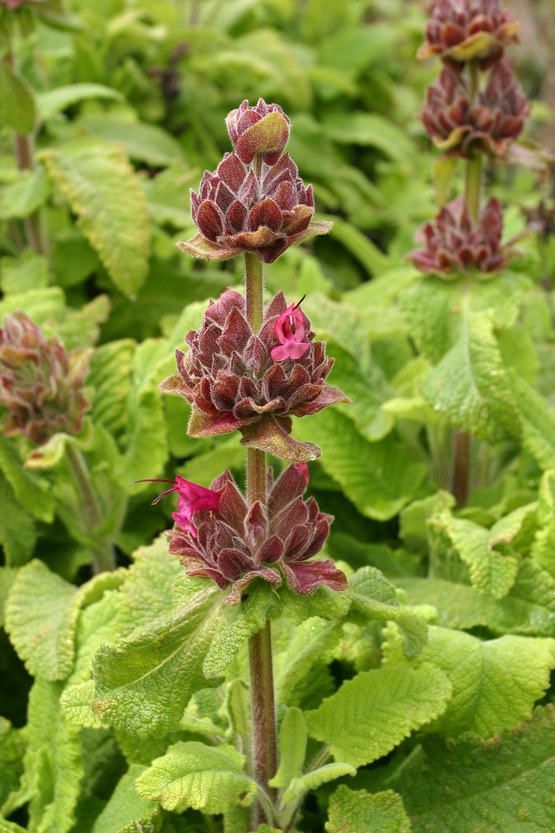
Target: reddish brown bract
x,y
235,544
455,244
41,384
464,30
460,127
232,382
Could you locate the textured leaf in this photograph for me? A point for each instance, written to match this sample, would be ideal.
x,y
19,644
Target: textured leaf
x,y
543,549
292,748
25,195
538,422
470,385
53,763
359,812
374,597
76,702
41,617
495,683
54,101
10,827
374,130
529,607
7,578
17,106
110,375
17,529
31,490
505,784
145,142
12,749
377,477
127,812
102,190
306,645
25,273
369,715
324,602
315,779
194,775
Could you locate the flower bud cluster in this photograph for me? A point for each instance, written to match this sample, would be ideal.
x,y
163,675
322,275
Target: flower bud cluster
x,y
41,384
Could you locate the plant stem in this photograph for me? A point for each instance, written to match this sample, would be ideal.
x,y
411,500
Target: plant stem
x,y
461,466
264,736
103,554
473,186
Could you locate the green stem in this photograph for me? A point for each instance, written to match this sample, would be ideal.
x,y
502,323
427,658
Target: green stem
x,y
473,186
263,709
461,466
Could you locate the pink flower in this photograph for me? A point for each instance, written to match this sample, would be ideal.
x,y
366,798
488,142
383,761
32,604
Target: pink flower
x,y
290,332
190,499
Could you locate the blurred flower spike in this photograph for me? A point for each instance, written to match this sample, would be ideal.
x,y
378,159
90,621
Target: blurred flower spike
x,y
236,544
190,498
41,384
254,201
290,332
456,245
469,30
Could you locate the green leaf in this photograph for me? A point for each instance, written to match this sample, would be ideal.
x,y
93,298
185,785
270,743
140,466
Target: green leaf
x,y
53,764
12,749
7,578
495,683
145,142
17,529
324,602
103,191
374,597
292,748
41,617
470,385
110,375
369,715
54,101
31,490
27,272
76,701
306,645
543,548
443,171
377,477
167,197
528,608
204,468
17,106
127,812
194,775
473,784
25,195
144,682
357,244
374,130
315,779
538,422
40,304
359,812
10,827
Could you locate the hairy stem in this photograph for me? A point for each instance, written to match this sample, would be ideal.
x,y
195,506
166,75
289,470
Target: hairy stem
x,y
263,709
461,466
103,554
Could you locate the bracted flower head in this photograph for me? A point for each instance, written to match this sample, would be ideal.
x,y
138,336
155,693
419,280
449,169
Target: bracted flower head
x,y
466,30
41,384
233,382
455,244
190,498
254,201
235,545
460,127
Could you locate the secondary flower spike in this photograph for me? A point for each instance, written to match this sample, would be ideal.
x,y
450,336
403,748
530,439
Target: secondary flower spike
x,y
233,382
254,201
236,545
190,498
41,384
290,332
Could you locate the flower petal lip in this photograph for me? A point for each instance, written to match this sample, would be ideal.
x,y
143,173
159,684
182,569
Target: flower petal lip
x,y
191,498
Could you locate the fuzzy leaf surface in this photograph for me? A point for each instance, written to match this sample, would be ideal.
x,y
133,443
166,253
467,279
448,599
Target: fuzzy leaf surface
x,y
360,812
127,812
17,529
31,490
312,780
292,748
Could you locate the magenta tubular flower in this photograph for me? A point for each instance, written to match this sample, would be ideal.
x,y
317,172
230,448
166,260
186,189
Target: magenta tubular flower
x,y
41,384
290,332
254,201
465,30
460,127
190,498
232,381
236,545
456,245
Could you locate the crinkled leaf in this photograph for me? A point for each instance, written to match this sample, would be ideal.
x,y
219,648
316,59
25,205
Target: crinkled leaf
x,y
377,477
538,422
25,195
495,682
12,749
292,748
127,812
306,645
360,812
76,702
110,375
194,775
543,548
17,529
369,715
7,578
505,784
323,602
31,490
312,780
105,194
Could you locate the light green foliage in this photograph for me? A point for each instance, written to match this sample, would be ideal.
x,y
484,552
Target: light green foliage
x,y
76,702
538,423
24,273
374,598
306,644
414,519
505,784
359,812
324,602
7,578
369,715
292,748
377,477
12,749
543,549
53,764
194,775
110,375
127,812
102,191
495,683
145,142
31,490
17,529
54,101
10,827
17,109
25,195
312,780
